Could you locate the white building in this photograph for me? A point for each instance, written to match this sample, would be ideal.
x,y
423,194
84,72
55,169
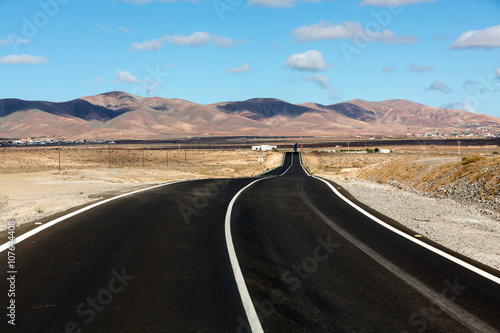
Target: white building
x,y
264,147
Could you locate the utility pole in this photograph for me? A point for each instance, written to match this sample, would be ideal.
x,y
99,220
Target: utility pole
x,y
185,155
166,156
109,156
143,157
459,147
59,149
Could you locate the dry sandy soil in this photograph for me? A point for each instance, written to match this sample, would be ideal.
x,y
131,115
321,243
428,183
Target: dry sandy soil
x,y
32,187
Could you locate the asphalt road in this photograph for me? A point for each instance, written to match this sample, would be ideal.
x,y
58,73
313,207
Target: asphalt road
x,y
158,261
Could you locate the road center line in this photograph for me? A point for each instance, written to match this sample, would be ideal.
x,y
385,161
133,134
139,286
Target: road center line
x,y
291,164
253,318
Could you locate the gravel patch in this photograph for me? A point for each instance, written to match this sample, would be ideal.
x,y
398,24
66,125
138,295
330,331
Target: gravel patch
x,y
460,227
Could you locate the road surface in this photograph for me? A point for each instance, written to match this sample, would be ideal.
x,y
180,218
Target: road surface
x,y
159,261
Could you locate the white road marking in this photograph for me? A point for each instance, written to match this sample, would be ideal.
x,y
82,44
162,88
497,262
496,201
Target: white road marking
x,y
302,165
466,318
253,318
291,164
412,239
33,232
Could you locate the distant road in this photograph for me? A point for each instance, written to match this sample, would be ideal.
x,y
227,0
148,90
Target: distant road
x,y
158,261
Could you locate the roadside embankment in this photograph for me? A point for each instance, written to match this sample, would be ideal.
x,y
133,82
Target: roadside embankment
x,y
471,180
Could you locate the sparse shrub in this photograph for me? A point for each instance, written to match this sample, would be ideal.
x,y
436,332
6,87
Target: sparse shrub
x,y
495,152
468,159
369,151
376,150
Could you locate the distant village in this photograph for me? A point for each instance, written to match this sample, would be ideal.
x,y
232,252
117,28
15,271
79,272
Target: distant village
x,y
50,142
478,132
473,131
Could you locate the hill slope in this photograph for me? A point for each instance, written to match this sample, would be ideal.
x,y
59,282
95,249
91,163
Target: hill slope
x,y
116,115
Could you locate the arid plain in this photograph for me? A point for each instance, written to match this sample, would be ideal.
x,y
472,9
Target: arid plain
x,y
33,186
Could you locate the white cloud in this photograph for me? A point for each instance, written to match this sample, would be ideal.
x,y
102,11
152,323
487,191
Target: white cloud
x,y
388,69
23,59
151,86
143,2
243,68
467,83
225,42
420,69
439,86
273,3
150,45
387,3
98,81
198,38
311,60
347,30
334,95
13,40
125,30
221,41
277,3
124,76
321,80
195,39
465,106
488,39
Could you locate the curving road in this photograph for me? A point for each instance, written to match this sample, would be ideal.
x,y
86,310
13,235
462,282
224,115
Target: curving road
x,y
159,261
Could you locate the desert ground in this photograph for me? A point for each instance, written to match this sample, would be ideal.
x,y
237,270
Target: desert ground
x,y
429,189
33,187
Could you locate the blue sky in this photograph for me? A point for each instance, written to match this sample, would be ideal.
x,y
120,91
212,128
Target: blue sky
x,y
442,53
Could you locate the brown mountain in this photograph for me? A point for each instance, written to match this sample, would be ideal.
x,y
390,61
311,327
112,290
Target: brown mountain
x,y
118,115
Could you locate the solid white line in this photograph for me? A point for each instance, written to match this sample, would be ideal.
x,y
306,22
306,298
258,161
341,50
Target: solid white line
x,y
291,163
253,318
467,319
33,232
412,239
302,165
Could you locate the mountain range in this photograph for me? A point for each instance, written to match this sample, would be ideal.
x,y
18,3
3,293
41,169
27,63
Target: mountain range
x,y
118,115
